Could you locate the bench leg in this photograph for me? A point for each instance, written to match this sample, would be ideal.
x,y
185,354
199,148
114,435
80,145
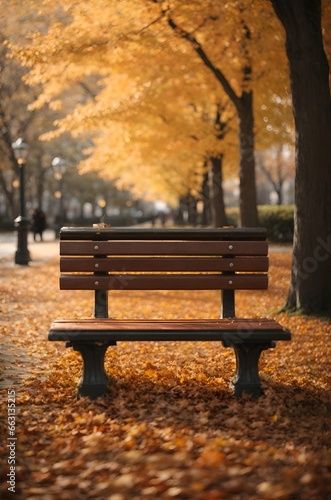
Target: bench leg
x,y
247,379
94,382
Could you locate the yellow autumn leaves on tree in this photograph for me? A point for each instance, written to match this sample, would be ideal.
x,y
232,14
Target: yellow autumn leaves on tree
x,y
151,102
149,99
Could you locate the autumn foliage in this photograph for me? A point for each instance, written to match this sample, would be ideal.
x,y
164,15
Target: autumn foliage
x,y
129,77
170,427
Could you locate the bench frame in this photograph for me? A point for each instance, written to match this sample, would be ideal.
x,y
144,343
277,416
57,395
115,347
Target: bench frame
x,y
92,259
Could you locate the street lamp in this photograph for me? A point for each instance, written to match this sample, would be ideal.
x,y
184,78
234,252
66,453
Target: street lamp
x,y
22,255
59,166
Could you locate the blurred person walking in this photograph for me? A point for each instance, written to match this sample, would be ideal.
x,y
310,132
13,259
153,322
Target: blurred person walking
x,y
38,224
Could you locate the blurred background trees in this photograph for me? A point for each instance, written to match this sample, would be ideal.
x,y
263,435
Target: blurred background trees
x,y
150,96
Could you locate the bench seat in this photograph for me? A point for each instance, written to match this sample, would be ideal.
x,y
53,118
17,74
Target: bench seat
x,y
227,330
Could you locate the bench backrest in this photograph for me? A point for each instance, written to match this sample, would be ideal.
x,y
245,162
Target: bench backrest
x,y
226,259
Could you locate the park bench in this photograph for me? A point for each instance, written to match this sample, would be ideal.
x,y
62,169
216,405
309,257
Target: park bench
x,y
106,259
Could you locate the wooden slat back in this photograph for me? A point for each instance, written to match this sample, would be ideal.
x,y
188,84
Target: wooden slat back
x,y
117,261
129,259
165,282
152,248
161,264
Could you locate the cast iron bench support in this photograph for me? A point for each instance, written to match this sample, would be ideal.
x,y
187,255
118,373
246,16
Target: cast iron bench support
x,y
206,259
94,381
247,379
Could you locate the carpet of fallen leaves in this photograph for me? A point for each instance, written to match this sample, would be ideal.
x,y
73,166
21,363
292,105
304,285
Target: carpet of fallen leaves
x,y
170,427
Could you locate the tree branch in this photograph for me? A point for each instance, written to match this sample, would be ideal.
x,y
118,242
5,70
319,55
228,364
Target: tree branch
x,y
206,60
87,89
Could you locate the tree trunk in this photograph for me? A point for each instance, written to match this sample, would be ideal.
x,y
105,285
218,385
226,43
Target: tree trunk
x,y
279,184
192,210
205,194
310,289
247,201
40,187
217,207
9,195
244,108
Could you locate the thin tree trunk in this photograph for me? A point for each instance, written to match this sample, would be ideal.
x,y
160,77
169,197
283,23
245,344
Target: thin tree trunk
x,y
247,201
206,213
217,207
9,195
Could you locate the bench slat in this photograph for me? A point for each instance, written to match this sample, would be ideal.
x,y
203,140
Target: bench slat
x,y
138,247
248,264
164,282
204,329
125,233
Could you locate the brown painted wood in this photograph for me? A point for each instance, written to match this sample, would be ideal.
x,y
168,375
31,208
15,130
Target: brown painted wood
x,y
164,282
184,264
138,247
168,324
203,329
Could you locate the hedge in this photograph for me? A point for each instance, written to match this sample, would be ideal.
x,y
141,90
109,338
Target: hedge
x,y
277,219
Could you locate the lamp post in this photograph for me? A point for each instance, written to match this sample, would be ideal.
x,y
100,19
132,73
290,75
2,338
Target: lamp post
x,y
22,255
59,166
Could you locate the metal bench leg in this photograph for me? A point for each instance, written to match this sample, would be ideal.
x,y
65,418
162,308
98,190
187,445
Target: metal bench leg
x,y
247,379
94,382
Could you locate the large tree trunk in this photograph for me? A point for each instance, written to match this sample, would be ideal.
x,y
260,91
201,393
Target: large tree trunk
x,y
310,289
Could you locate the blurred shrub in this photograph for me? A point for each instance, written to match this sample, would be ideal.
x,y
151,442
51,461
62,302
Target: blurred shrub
x,y
277,219
6,224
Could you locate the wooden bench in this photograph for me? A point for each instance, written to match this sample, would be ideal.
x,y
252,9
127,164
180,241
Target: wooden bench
x,y
109,259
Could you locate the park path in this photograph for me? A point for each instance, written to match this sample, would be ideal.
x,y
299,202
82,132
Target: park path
x,y
15,361
39,250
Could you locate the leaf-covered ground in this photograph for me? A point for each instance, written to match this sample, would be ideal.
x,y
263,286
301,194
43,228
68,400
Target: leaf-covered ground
x,y
170,427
